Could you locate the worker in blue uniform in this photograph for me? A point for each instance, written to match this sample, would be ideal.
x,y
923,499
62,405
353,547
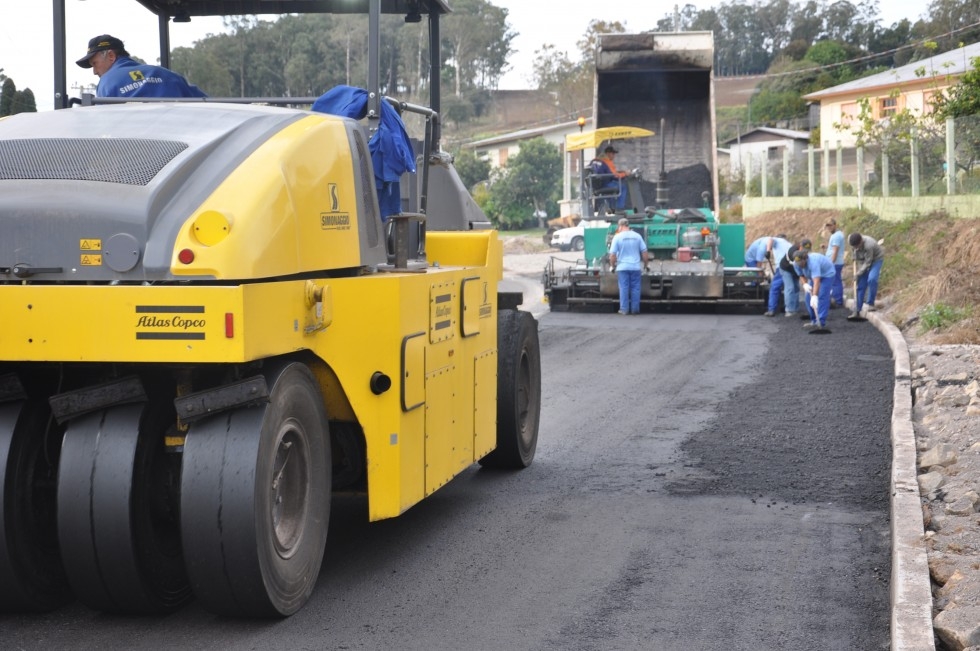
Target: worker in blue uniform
x,y
816,271
766,252
628,256
121,76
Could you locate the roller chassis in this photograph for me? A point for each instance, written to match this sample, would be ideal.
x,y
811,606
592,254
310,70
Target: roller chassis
x,y
172,427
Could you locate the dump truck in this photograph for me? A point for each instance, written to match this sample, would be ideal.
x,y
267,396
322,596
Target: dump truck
x,y
209,329
654,101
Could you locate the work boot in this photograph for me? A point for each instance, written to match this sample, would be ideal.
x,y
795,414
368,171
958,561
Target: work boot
x,y
853,316
870,307
789,314
769,313
809,326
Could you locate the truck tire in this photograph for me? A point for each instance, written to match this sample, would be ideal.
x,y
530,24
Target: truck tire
x,y
31,573
518,391
578,243
255,500
117,515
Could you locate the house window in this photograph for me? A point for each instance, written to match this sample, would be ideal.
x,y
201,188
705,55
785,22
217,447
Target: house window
x,y
888,106
848,113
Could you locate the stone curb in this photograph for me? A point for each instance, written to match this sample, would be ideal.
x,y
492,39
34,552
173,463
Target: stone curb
x,y
911,588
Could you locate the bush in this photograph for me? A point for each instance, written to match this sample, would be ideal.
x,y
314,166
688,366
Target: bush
x,y
937,316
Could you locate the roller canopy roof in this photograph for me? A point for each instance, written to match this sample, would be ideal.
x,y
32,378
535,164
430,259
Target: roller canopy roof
x,y
242,7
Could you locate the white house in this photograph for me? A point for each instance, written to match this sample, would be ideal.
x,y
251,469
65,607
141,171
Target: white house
x,y
497,149
766,144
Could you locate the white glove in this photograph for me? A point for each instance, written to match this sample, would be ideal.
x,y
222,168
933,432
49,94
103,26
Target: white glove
x,y
813,303
808,288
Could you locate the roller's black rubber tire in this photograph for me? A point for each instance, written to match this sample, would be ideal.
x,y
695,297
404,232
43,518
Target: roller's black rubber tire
x,y
518,391
578,244
255,500
117,511
32,578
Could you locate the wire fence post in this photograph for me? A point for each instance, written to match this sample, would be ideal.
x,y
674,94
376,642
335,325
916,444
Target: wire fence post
x,y
840,169
811,170
860,176
950,156
786,171
914,145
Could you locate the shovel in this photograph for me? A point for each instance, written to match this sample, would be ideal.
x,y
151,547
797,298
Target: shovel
x,y
856,317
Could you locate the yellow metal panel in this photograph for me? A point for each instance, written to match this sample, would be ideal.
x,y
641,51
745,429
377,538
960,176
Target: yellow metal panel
x,y
299,217
464,249
103,323
192,324
280,319
476,295
440,465
484,403
372,316
442,311
413,371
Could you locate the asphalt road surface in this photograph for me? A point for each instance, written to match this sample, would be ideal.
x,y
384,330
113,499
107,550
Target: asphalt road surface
x,y
702,481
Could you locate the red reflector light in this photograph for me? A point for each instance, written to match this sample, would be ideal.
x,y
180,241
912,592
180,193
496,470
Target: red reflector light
x,y
186,256
229,325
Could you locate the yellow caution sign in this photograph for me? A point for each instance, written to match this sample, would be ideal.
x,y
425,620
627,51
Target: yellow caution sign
x,y
90,245
91,260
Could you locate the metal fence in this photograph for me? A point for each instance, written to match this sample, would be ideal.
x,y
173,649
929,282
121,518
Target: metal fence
x,y
938,160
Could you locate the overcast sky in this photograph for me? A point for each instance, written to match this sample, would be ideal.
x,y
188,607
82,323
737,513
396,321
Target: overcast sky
x,y
26,27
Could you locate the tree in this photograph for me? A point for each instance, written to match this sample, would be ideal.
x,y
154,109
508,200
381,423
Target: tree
x,y
8,93
476,41
24,102
961,99
530,182
569,83
471,170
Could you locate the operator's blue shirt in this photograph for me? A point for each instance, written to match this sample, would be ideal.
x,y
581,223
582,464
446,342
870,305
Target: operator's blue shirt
x,y
126,78
628,247
837,239
817,266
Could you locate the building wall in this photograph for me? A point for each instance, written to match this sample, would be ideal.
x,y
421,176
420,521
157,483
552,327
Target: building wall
x,y
839,114
770,150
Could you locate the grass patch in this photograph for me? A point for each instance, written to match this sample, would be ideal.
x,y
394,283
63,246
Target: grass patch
x,y
939,316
